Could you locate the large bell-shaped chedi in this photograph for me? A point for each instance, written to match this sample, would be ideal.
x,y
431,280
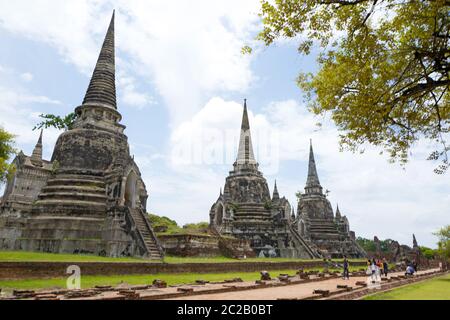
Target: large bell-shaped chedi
x,y
95,201
246,210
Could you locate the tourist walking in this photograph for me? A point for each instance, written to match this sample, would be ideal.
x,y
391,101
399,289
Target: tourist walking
x,y
385,267
369,269
373,269
346,273
414,265
380,268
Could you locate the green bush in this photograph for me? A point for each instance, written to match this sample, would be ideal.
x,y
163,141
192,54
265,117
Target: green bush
x,y
197,226
164,224
428,252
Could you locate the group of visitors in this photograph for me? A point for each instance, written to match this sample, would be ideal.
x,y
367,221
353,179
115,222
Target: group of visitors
x,y
376,268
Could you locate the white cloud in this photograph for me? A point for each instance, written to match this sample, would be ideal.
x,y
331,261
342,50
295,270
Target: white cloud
x,y
131,96
20,110
27,77
17,116
186,49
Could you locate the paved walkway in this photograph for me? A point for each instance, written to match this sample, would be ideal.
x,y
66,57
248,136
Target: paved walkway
x,y
275,289
296,291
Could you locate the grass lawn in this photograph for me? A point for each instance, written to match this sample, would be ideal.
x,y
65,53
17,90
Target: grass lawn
x,y
171,279
17,256
435,289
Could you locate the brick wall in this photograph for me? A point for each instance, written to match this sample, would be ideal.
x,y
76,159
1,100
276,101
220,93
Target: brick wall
x,y
39,270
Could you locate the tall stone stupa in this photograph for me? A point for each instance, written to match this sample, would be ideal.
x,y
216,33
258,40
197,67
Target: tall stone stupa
x,y
90,198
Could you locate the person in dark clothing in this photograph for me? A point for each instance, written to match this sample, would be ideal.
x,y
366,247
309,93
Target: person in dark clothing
x,y
385,267
346,274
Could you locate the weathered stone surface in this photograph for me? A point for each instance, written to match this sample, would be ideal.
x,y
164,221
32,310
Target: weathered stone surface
x,y
159,284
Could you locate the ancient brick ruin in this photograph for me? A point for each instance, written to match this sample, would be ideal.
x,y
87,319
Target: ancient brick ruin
x,y
247,211
90,198
317,223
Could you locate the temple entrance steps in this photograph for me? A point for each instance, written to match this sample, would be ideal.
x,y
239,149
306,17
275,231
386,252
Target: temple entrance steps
x,y
228,247
143,227
310,248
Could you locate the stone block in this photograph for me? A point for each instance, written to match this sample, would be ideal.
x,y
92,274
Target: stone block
x,y
323,293
159,284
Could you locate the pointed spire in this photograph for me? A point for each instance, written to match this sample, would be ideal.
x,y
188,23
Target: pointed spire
x,y
293,214
415,245
102,88
338,213
276,195
36,157
245,122
245,153
313,183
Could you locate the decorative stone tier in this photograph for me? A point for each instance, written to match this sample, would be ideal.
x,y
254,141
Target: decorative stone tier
x,y
323,229
253,212
67,194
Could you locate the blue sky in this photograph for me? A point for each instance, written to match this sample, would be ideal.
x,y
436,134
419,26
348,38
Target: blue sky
x,y
181,81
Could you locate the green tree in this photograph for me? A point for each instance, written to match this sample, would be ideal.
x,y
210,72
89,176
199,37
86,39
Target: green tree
x,y
164,223
6,152
201,227
366,244
444,242
60,123
383,68
428,252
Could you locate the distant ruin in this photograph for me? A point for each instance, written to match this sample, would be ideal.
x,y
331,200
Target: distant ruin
x,y
246,210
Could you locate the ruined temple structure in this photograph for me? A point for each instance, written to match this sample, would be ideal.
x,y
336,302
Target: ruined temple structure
x,y
90,198
318,225
246,210
399,253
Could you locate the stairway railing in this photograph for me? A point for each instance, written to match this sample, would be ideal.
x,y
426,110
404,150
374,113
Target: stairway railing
x,y
152,233
303,243
150,229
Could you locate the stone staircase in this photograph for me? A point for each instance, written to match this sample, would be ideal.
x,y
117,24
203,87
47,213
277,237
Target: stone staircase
x,y
228,248
84,193
143,227
309,247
